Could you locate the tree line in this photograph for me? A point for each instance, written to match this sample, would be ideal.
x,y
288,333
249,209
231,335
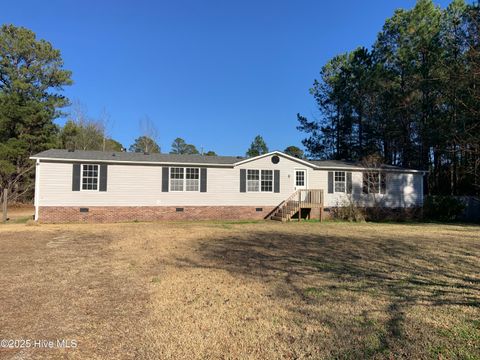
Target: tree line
x,y
412,98
81,132
32,79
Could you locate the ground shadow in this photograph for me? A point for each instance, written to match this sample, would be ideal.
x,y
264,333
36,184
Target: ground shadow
x,y
406,270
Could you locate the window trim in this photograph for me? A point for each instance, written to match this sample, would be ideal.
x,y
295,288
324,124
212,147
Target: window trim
x,y
260,181
382,177
335,182
184,179
305,179
272,181
98,177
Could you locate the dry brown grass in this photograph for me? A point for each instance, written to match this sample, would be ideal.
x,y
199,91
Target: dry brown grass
x,y
252,290
19,213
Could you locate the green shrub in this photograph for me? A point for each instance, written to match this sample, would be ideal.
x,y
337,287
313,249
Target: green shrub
x,y
442,207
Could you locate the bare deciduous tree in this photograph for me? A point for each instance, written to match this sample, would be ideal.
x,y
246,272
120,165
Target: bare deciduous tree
x,y
149,138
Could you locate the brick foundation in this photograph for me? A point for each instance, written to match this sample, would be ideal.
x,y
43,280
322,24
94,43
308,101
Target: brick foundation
x,y
109,214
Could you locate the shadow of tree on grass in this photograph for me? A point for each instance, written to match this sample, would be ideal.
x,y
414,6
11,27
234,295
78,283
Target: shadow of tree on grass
x,y
330,269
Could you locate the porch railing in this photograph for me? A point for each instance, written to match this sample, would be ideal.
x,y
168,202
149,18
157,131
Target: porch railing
x,y
301,199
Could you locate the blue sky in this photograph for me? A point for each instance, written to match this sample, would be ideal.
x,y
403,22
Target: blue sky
x,y
215,73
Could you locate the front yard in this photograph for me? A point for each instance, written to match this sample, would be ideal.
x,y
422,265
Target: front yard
x,y
242,290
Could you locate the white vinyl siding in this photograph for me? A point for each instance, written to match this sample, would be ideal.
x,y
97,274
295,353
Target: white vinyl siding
x,y
141,185
402,190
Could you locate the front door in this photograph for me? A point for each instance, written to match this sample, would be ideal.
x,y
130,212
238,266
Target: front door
x,y
300,179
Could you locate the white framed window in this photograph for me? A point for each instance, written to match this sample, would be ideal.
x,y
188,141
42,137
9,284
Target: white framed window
x,y
267,181
192,179
184,179
253,180
259,180
176,178
90,177
340,181
374,182
300,178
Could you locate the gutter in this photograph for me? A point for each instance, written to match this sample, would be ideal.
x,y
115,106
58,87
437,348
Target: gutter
x,y
130,162
403,171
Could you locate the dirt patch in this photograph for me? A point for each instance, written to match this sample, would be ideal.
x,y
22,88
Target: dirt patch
x,y
250,290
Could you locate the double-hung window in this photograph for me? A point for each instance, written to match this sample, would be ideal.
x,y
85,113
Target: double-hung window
x,y
253,180
90,175
260,180
192,179
184,179
267,181
340,181
374,182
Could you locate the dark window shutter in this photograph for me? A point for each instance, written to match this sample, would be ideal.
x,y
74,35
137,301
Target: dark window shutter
x,y
76,177
383,183
349,182
165,179
243,180
103,177
276,181
203,180
330,182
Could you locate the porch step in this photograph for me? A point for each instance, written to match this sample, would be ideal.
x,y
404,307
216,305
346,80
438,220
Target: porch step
x,y
301,199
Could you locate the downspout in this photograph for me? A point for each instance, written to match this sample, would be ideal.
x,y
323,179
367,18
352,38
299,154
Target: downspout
x,y
37,188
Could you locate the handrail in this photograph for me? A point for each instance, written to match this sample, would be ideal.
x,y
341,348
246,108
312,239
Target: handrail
x,y
301,198
287,207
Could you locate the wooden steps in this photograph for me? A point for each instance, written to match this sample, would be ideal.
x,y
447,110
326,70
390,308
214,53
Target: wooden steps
x,y
300,199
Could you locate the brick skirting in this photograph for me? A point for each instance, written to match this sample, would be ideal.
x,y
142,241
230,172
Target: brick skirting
x,y
108,214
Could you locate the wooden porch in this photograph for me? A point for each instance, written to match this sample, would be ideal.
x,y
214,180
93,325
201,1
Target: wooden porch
x,y
304,199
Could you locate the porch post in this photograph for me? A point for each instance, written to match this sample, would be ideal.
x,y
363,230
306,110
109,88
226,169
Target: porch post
x,y
300,205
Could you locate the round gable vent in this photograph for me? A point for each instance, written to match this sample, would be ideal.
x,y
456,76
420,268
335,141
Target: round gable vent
x,y
275,159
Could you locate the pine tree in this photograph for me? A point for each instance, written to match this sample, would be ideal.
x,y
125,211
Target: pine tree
x,y
257,147
31,81
145,144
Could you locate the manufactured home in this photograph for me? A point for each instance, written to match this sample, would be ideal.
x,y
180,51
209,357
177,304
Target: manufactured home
x,y
96,186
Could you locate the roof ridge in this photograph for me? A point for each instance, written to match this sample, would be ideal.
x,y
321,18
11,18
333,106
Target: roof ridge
x,y
134,152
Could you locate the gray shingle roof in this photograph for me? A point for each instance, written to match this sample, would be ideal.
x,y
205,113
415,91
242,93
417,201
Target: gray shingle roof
x,y
348,164
185,159
137,157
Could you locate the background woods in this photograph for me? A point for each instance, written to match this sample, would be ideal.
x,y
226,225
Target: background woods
x,y
31,79
413,98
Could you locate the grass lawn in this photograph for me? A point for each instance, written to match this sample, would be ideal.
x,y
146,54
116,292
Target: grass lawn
x,y
19,214
242,290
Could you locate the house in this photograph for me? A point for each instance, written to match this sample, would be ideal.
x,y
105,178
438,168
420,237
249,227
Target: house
x,y
95,186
